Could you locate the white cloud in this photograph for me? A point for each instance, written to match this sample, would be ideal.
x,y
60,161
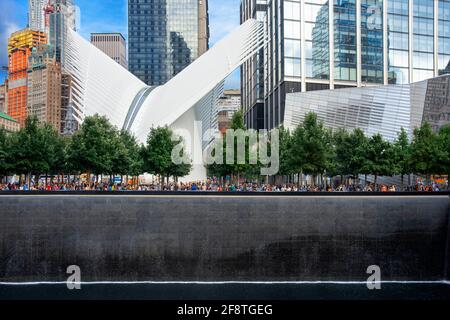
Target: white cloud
x,y
12,18
223,18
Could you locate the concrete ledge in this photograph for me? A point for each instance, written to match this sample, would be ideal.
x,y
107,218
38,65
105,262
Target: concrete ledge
x,y
137,237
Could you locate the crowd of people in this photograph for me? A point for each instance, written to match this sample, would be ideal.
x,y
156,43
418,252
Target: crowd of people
x,y
214,186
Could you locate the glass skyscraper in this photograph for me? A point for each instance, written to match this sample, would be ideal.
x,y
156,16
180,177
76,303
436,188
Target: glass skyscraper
x,y
333,44
252,71
165,36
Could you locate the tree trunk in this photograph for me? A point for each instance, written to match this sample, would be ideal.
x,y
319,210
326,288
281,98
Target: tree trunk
x,y
376,185
401,186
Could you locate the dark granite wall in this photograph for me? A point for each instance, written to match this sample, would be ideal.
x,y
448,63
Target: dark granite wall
x,y
213,238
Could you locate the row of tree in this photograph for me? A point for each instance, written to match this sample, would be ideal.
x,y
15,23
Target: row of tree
x,y
314,150
98,148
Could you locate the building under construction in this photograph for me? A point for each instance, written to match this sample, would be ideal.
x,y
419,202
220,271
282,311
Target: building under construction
x,y
20,45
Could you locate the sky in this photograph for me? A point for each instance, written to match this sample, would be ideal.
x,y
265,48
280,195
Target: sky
x,y
110,16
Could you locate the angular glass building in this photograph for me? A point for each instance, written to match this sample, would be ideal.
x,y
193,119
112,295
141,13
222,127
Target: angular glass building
x,y
165,36
334,44
375,109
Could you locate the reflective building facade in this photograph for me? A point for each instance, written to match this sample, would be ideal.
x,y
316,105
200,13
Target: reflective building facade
x,y
165,36
375,109
334,44
252,71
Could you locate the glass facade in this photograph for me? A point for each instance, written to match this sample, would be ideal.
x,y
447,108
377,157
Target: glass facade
x,y
334,44
345,40
372,54
252,71
164,37
423,39
292,43
398,42
60,21
444,35
317,39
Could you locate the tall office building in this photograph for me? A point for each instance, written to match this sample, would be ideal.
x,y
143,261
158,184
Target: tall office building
x,y
324,44
20,45
61,17
252,71
113,45
36,16
44,87
165,36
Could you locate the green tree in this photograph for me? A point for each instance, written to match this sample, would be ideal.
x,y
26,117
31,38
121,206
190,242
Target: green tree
x,y
444,152
120,156
54,149
246,169
235,169
380,157
424,151
157,155
4,152
220,169
134,162
402,151
182,169
296,154
36,149
350,153
312,147
286,161
358,144
342,152
92,148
